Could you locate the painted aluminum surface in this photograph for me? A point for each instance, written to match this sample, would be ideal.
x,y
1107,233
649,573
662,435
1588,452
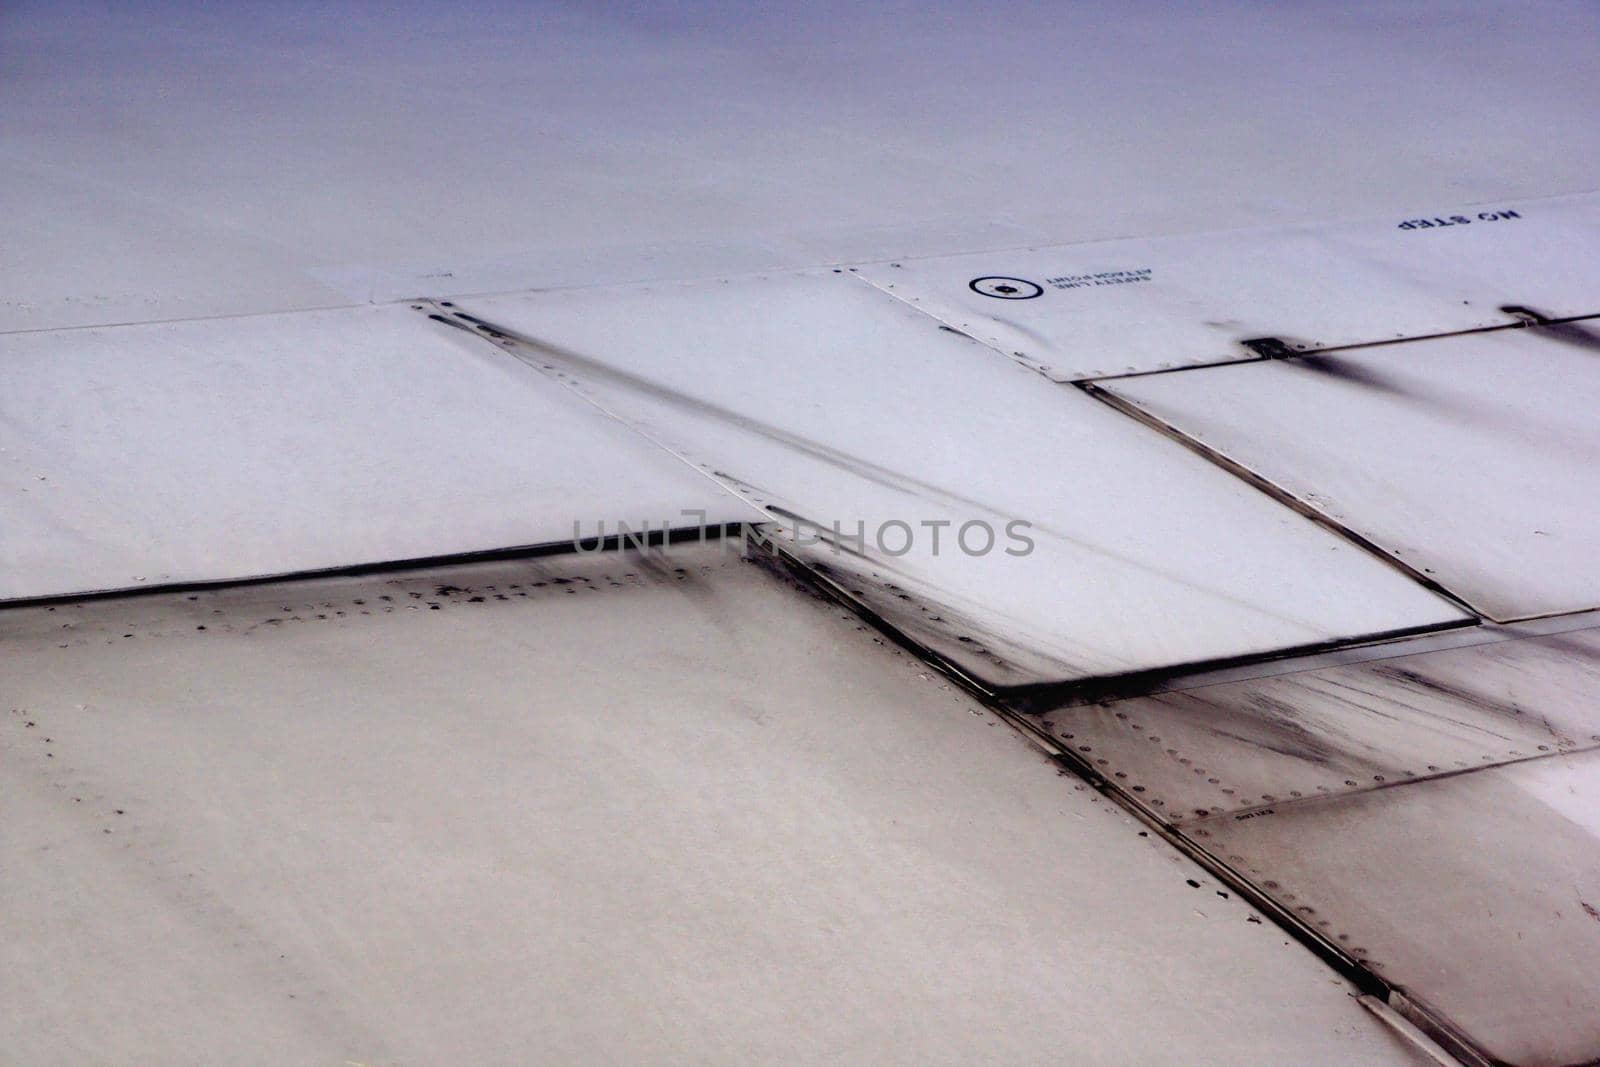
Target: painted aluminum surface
x,y
1476,893
663,811
1115,307
1241,746
230,448
1474,459
825,403
1431,815
648,808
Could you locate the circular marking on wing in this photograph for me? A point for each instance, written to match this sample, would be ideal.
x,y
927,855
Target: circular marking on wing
x,y
1003,288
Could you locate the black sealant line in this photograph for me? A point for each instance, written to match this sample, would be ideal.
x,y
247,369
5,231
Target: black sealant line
x,y
1358,974
644,538
1270,349
809,577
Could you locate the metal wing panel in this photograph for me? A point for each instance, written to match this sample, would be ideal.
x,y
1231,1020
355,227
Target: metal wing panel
x,y
1118,307
229,448
1474,459
824,402
655,807
1477,894
1240,746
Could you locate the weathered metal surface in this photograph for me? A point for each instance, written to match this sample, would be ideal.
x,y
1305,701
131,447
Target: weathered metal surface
x,y
652,813
1479,894
1473,459
228,448
1432,817
1114,307
656,808
1246,745
1030,533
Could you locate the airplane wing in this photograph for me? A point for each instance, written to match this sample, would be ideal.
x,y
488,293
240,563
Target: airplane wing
x,y
809,533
